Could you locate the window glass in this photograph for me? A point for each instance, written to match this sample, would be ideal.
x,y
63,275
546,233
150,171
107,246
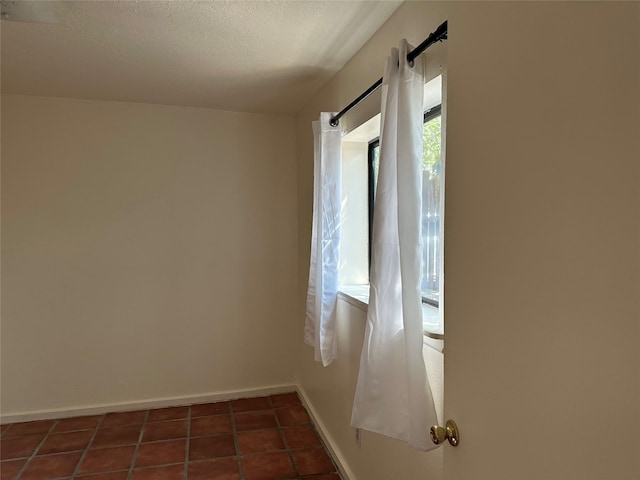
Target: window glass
x,y
431,208
431,202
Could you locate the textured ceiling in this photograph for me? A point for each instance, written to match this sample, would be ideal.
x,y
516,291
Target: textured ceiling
x,y
254,56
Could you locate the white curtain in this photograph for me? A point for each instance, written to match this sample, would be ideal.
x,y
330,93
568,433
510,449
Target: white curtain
x,y
322,293
393,395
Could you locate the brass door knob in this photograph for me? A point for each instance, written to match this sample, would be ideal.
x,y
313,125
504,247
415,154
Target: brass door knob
x,y
448,432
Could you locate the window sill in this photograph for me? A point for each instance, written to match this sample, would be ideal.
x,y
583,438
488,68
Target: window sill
x,y
358,296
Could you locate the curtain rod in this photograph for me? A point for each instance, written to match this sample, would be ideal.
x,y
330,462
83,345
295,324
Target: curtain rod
x,y
438,35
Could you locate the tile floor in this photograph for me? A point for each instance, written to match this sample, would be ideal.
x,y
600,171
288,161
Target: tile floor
x,y
260,438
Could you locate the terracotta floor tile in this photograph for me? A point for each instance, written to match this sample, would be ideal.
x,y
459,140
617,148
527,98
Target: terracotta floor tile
x,y
213,444
28,428
170,472
65,442
107,460
122,475
203,448
19,447
10,468
294,415
161,453
215,469
260,441
246,404
206,409
301,437
165,430
77,423
51,466
255,420
311,461
285,400
116,436
170,413
123,418
267,466
205,426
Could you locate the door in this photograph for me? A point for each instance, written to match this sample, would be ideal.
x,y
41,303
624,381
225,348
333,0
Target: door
x,y
542,370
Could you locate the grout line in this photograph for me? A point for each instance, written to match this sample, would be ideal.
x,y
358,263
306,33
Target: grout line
x,y
284,441
35,452
44,455
236,443
137,447
187,445
86,450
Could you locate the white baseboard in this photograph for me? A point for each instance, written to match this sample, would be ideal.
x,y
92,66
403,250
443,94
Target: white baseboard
x,y
337,457
144,404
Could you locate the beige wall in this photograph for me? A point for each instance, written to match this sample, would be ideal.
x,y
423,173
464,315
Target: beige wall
x,y
148,252
542,244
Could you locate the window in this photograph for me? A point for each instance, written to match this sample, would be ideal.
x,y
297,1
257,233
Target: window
x,y
360,150
431,202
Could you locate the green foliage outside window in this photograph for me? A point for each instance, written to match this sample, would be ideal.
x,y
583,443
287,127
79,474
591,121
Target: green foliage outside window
x,y
431,147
